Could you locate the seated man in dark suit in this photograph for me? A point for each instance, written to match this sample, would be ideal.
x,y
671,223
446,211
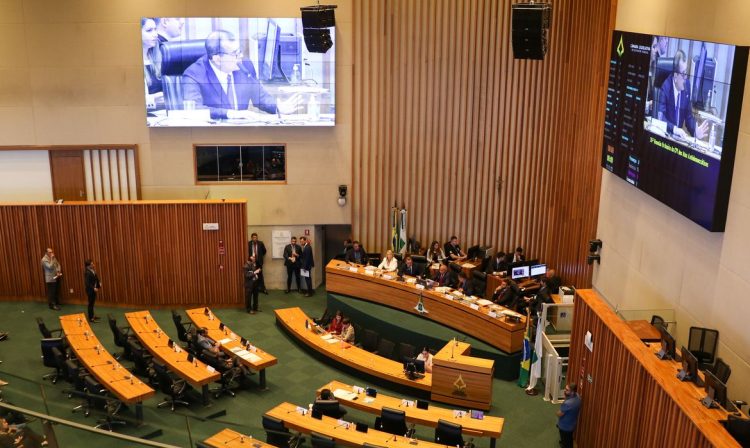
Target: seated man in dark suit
x,y
464,284
227,85
356,254
505,294
499,263
444,277
553,281
328,405
674,102
409,268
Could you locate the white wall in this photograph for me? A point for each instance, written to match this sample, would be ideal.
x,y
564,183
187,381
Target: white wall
x,y
25,176
655,258
71,73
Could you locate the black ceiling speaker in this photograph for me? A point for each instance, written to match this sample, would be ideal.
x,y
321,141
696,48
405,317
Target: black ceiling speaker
x,y
317,22
530,23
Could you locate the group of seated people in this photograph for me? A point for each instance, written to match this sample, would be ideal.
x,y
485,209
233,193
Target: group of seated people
x,y
511,296
341,327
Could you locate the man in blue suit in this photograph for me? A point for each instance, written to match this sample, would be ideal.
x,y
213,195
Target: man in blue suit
x,y
227,85
674,102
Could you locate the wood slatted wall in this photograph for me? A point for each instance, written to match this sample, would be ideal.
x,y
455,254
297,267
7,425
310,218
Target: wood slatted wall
x,y
634,398
471,141
148,253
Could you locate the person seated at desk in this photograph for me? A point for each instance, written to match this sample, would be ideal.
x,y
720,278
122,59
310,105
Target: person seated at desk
x,y
506,294
152,64
674,102
227,85
444,277
453,250
553,281
426,356
409,268
336,324
518,255
464,284
347,331
499,263
535,302
328,405
435,253
356,254
389,263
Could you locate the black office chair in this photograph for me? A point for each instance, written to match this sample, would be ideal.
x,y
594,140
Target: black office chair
x,y
175,388
369,340
76,376
739,428
321,441
483,267
276,433
100,398
385,348
142,360
120,336
702,343
658,322
175,58
182,328
405,350
331,408
373,258
47,333
721,370
49,345
455,267
392,421
448,433
479,282
229,375
398,256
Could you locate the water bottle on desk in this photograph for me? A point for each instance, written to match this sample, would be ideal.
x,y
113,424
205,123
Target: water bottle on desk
x,y
296,77
313,109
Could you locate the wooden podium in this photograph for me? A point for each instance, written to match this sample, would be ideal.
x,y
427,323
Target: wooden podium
x,y
460,379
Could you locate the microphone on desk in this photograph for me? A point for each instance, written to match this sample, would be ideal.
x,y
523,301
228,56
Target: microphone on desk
x,y
126,377
342,424
100,365
241,437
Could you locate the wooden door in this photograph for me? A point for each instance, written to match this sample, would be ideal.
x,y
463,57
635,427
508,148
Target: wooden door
x,y
68,177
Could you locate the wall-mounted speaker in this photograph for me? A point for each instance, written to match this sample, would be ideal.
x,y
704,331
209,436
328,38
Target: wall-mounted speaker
x,y
530,23
317,22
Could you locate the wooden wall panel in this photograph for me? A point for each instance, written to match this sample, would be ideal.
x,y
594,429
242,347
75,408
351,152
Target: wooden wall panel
x,y
633,399
474,143
148,253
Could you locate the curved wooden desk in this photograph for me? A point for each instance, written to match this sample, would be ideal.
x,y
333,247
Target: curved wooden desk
x,y
155,341
497,331
233,439
231,341
457,378
489,426
102,365
332,428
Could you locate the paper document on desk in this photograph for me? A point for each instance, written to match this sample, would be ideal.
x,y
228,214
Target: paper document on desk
x,y
235,350
242,353
252,357
332,340
344,394
225,341
327,336
484,302
467,265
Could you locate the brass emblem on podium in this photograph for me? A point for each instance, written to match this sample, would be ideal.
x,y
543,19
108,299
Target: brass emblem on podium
x,y
420,306
459,386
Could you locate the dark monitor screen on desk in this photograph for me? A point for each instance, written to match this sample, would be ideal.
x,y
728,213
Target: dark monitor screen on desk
x,y
689,371
667,345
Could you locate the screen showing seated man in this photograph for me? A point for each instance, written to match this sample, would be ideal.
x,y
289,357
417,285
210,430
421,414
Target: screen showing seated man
x,y
235,72
688,90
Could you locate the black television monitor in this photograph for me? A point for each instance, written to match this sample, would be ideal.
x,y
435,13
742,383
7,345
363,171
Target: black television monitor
x,y
519,272
716,392
689,371
329,408
474,252
679,149
667,345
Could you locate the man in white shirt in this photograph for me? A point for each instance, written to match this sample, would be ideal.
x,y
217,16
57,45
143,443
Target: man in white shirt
x,y
426,356
169,28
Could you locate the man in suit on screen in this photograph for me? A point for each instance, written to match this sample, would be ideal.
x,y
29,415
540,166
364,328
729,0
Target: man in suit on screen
x,y
674,102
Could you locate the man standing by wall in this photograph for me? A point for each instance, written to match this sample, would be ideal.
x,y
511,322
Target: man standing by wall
x,y
292,253
257,249
52,274
568,415
251,285
306,265
91,280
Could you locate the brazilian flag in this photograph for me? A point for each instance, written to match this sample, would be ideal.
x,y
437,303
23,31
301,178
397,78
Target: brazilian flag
x,y
528,351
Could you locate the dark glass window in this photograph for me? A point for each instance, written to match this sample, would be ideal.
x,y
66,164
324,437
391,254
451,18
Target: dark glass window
x,y
243,163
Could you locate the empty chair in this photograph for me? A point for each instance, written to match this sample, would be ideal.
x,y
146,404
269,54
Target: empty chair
x,y
385,348
658,322
120,336
392,421
448,433
405,350
49,345
331,408
76,376
99,397
702,343
721,370
60,359
47,333
276,433
141,358
321,441
182,328
175,388
369,340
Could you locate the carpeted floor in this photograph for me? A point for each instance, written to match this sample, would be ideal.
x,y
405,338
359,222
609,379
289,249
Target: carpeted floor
x,y
529,421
